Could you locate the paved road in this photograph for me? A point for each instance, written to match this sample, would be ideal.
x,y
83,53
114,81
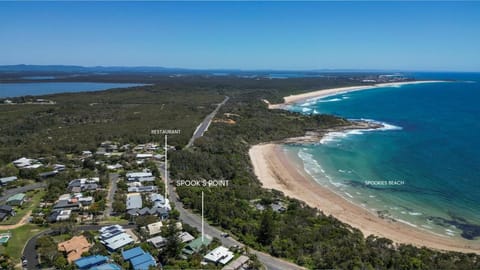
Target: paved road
x,y
187,217
111,193
269,262
30,253
205,123
9,192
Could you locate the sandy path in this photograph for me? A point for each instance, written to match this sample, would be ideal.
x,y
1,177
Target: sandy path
x,y
22,222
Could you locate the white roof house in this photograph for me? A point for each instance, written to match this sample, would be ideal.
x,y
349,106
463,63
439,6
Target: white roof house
x,y
157,200
142,189
220,254
111,227
64,215
86,153
85,200
23,162
134,200
155,228
115,166
151,146
33,166
144,156
64,197
114,237
157,241
6,180
185,237
118,241
140,176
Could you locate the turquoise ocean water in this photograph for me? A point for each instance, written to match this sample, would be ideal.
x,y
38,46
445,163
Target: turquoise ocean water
x,y
422,169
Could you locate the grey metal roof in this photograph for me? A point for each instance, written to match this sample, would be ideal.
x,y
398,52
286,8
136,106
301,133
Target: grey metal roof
x,y
134,201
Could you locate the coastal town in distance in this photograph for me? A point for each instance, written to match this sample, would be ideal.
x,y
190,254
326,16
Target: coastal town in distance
x,y
197,135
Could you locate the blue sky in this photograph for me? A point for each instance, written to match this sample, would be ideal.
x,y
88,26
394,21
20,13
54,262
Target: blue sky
x,y
244,35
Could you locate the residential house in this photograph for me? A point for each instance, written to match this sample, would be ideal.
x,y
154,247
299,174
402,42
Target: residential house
x,y
196,245
134,201
64,215
106,266
109,146
152,147
67,204
157,241
143,156
86,263
59,167
6,211
163,213
24,162
159,157
143,189
16,199
237,264
47,174
5,180
114,237
154,228
220,255
185,237
144,176
75,247
139,259
115,166
159,201
84,184
87,153
259,207
278,207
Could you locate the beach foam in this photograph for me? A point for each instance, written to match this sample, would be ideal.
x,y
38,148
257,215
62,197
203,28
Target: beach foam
x,y
336,136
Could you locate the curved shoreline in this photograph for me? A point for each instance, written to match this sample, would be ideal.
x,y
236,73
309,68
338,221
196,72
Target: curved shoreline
x,y
278,171
288,100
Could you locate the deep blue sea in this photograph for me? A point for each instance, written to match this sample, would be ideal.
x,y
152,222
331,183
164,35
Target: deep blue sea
x,y
44,88
423,169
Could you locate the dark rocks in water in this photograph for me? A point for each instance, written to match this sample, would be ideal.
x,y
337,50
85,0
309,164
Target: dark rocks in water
x,y
469,231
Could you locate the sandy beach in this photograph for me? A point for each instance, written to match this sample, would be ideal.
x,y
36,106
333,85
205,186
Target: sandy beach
x,y
335,91
278,171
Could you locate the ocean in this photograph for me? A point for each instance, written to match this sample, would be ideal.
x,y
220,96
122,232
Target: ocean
x,y
44,88
422,169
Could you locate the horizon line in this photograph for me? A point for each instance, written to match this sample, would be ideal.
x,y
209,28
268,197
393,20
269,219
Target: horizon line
x,y
247,69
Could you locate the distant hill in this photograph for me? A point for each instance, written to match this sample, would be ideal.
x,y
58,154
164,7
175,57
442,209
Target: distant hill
x,y
82,69
158,69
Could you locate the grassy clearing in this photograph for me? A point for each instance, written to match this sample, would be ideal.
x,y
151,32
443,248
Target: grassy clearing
x,y
19,238
35,197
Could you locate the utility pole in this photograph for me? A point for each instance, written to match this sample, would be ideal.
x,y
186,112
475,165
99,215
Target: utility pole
x,y
202,217
166,165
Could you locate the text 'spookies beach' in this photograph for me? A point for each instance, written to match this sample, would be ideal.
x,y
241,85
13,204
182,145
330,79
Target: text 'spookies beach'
x,y
285,173
277,171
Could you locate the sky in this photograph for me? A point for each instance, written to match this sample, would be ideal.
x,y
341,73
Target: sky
x,y
244,35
